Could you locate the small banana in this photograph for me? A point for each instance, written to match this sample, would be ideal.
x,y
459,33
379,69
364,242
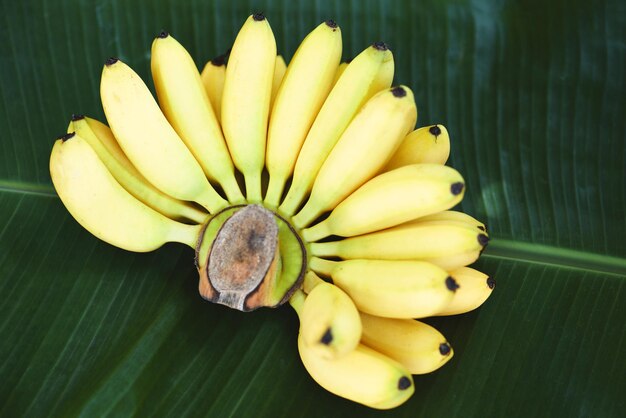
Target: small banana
x,y
392,289
427,145
376,130
213,75
102,206
475,288
390,199
187,107
302,92
246,100
416,345
329,321
280,68
149,141
452,216
340,69
343,102
101,140
437,243
363,375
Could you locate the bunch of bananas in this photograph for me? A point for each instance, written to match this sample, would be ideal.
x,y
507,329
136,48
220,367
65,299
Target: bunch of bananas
x,y
305,183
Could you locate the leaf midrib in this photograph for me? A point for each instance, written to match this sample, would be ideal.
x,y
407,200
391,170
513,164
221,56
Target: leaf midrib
x,y
498,248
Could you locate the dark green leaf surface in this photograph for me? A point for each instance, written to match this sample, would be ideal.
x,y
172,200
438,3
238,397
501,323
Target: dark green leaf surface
x,y
532,94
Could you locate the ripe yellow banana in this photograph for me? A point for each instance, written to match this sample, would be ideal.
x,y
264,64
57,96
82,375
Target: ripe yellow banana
x,y
416,345
340,69
392,198
384,76
452,216
246,100
475,288
280,68
103,207
329,321
427,145
392,289
213,75
363,375
342,103
149,141
101,140
302,92
437,243
186,106
370,139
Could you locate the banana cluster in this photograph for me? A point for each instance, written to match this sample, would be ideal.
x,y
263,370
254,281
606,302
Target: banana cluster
x,y
331,150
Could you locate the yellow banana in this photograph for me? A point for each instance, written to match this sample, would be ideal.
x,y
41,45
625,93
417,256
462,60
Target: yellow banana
x,y
416,345
280,67
384,76
213,75
367,143
302,92
427,145
103,207
101,140
435,243
452,216
187,107
363,375
475,288
246,100
392,289
149,141
329,321
342,103
392,198
340,69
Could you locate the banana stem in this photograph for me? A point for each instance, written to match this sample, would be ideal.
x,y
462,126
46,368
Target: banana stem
x,y
316,232
310,281
309,212
253,187
323,249
232,190
297,301
293,199
185,234
193,214
211,200
274,191
325,267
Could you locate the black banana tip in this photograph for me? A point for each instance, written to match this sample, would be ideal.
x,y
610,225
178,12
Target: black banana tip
x,y
483,239
398,92
219,61
66,136
444,349
457,188
451,284
331,24
258,17
482,228
381,46
327,338
435,130
76,117
404,383
491,283
163,34
111,61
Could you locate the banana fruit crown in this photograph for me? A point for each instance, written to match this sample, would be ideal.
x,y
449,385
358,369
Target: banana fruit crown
x,y
326,175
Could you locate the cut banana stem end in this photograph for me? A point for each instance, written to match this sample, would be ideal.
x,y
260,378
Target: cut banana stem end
x,y
103,207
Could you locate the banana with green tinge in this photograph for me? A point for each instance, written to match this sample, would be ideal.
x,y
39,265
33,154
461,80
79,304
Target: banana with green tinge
x,y
416,345
370,139
427,145
362,375
329,321
475,288
213,75
101,140
390,199
149,141
102,206
280,68
392,289
302,92
186,105
343,102
438,243
246,100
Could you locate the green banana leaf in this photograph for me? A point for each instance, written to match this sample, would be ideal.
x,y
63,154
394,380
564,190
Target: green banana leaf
x,y
532,94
